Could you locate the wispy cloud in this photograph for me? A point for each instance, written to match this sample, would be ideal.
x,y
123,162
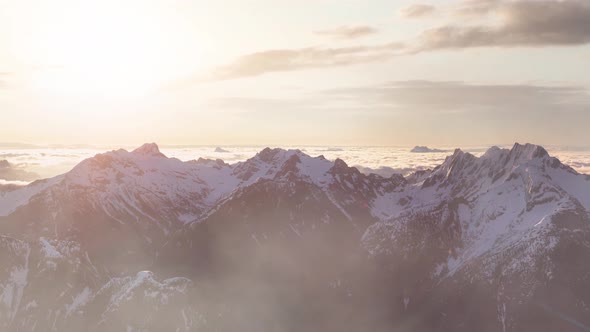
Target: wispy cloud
x,y
294,59
416,11
347,32
475,8
429,96
523,23
426,97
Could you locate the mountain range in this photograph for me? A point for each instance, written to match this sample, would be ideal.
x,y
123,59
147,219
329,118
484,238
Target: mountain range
x,y
137,241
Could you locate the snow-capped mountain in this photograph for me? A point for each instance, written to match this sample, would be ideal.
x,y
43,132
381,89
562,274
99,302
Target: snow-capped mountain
x,y
498,225
287,241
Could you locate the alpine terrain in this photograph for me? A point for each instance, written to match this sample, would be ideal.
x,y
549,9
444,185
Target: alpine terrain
x,y
137,241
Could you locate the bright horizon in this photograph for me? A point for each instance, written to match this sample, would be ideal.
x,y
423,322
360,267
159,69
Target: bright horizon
x,y
106,147
387,73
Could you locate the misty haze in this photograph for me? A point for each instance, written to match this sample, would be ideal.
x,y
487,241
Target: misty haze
x,y
294,166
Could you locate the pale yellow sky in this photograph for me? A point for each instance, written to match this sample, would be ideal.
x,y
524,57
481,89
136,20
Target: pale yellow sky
x,y
294,72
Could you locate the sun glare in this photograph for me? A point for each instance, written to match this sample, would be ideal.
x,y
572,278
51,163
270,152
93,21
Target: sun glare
x,y
106,49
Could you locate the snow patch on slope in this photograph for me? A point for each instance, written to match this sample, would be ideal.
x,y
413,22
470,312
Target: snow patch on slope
x,y
12,200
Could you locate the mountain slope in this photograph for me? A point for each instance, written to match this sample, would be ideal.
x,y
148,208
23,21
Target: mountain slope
x,y
284,241
498,225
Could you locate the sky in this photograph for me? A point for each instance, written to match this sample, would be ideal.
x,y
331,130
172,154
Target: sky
x,y
286,72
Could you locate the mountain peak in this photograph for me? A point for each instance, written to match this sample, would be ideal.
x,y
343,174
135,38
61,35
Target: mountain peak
x,y
267,154
273,155
529,151
457,156
493,153
220,150
458,152
340,164
149,150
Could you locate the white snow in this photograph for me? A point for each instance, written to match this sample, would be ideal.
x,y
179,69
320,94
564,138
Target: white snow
x,y
406,302
49,250
13,288
79,301
187,323
575,185
12,200
31,305
295,230
496,213
515,208
143,284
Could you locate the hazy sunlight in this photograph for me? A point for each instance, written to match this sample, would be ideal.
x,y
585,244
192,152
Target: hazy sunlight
x,y
107,49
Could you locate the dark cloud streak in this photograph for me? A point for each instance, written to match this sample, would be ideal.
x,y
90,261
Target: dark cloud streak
x,y
521,24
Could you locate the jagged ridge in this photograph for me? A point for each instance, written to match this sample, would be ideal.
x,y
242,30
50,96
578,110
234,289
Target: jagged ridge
x,y
501,217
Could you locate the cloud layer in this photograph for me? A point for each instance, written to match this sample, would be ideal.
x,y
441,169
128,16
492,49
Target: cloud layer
x,y
11,172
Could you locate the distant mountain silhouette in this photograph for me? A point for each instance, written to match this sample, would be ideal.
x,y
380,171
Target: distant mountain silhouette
x,y
218,149
425,149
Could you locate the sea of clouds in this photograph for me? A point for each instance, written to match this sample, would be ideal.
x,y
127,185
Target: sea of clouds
x,y
20,165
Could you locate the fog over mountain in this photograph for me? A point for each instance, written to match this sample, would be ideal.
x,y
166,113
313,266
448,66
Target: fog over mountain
x,y
282,241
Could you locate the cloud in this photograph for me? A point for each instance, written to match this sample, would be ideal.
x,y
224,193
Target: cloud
x,y
348,32
10,172
422,112
386,171
279,60
429,96
12,155
474,8
523,23
417,96
516,24
416,11
12,183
